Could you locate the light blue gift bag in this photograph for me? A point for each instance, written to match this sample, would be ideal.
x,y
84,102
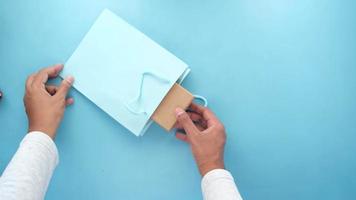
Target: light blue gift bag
x,y
123,71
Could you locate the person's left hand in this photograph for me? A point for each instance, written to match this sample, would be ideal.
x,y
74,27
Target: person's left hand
x,y
45,104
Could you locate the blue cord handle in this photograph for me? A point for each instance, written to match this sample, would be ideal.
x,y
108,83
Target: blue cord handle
x,y
138,111
203,99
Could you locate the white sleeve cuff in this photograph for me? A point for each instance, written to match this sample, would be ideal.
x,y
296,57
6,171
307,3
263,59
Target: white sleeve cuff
x,y
44,140
218,184
216,174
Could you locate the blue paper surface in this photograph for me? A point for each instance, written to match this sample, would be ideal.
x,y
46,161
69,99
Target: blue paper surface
x,y
123,72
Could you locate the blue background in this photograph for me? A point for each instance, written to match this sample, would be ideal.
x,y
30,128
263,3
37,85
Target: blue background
x,y
279,73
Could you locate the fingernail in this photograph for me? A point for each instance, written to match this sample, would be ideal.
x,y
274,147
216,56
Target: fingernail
x,y
70,100
70,79
59,66
179,111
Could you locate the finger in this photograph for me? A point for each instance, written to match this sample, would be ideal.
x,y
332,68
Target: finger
x,y
51,89
181,136
184,120
198,121
65,86
69,101
200,125
194,116
49,72
29,81
199,109
206,113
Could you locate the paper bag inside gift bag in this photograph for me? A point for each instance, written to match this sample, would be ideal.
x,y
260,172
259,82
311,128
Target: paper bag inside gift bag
x,y
177,96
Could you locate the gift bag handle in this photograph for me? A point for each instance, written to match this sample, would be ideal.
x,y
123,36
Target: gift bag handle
x,y
201,98
139,94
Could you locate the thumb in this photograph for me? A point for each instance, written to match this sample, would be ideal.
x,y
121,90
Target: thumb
x,y
185,121
65,86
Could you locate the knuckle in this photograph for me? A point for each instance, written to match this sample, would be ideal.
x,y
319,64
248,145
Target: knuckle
x,y
184,117
220,127
29,78
204,109
66,84
180,116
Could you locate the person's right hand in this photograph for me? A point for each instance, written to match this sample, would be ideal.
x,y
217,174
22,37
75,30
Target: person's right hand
x,y
205,134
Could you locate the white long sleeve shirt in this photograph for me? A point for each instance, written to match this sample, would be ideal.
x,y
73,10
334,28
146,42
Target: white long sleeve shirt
x,y
29,172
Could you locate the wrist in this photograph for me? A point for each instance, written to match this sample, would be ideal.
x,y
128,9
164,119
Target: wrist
x,y
206,167
51,132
